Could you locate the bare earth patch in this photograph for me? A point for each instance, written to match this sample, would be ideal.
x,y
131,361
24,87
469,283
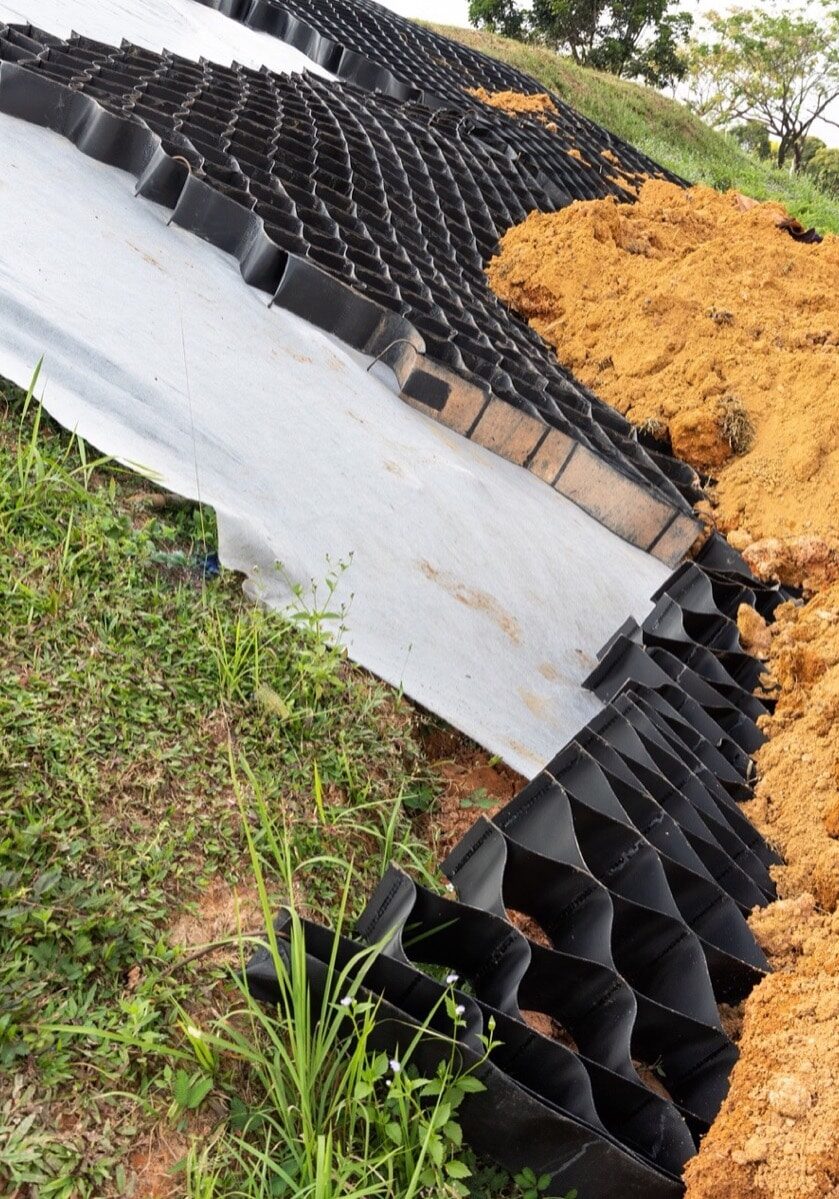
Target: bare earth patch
x,y
473,784
220,911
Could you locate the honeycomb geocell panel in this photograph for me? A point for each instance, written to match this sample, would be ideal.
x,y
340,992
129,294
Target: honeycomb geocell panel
x,y
182,26
543,1106
599,920
372,219
367,44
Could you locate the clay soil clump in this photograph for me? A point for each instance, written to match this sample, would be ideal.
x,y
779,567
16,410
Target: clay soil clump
x,y
777,1134
796,801
535,104
697,316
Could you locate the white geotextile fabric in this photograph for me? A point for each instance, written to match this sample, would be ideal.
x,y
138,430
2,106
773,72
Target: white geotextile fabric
x,y
181,26
472,584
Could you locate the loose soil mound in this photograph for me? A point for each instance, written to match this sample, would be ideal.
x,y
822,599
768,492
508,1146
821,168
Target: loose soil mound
x,y
796,803
538,105
697,316
777,1135
778,1132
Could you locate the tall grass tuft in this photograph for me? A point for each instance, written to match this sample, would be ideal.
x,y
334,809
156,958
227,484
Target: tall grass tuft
x,y
320,1113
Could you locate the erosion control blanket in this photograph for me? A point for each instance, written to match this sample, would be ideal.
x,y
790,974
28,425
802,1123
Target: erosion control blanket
x,y
461,577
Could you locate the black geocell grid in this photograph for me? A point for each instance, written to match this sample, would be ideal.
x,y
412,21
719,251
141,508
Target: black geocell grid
x,y
628,854
629,870
372,218
365,44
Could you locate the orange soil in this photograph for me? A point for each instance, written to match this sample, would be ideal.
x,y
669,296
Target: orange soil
x,y
694,313
538,105
474,784
796,803
777,1134
807,561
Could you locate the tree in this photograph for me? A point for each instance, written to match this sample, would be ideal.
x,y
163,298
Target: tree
x,y
498,16
824,169
753,136
810,146
779,69
637,39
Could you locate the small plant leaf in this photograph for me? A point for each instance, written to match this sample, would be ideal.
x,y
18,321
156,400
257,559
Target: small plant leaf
x,y
458,1169
199,1091
471,1085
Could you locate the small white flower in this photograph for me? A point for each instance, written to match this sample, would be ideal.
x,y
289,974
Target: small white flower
x,y
347,1001
459,1010
449,886
451,979
387,1082
394,1065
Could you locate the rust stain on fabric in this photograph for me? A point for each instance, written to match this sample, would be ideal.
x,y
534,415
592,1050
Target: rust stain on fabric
x,y
471,597
537,704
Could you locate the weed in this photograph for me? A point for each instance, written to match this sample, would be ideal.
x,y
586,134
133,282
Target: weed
x,y
479,798
654,427
532,1187
736,424
323,1112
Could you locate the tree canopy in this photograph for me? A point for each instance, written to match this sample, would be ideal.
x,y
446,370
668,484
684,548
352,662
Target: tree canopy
x,y
781,69
637,39
824,168
754,137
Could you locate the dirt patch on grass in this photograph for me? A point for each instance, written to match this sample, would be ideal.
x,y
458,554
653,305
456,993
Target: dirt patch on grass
x,y
473,784
153,1166
219,912
700,318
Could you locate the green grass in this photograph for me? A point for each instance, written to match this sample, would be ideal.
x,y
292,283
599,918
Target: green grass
x,y
316,1108
662,128
130,687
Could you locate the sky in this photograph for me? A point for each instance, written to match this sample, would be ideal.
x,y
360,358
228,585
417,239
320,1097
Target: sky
x,y
454,12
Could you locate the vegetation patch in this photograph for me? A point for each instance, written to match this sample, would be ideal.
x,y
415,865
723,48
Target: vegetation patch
x,y
174,764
